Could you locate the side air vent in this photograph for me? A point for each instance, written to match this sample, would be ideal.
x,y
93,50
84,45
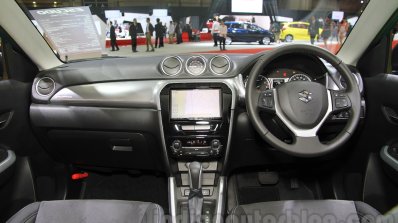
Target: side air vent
x,y
220,65
171,66
45,86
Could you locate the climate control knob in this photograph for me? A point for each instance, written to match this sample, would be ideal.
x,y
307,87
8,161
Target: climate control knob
x,y
215,144
176,146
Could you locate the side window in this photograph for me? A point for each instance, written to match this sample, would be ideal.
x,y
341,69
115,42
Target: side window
x,y
252,27
14,63
236,26
255,27
293,26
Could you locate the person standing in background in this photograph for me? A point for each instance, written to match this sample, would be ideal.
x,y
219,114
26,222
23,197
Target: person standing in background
x,y
148,34
313,29
178,31
276,29
326,32
215,30
223,34
343,30
189,30
113,37
320,23
159,33
164,32
133,31
335,31
171,32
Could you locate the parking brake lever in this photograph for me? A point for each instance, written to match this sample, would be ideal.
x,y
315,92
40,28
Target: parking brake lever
x,y
195,199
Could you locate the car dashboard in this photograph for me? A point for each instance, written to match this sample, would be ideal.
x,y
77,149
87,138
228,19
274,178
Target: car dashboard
x,y
134,113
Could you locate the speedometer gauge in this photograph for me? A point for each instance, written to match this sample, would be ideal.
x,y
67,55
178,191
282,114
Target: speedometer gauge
x,y
196,65
300,77
262,83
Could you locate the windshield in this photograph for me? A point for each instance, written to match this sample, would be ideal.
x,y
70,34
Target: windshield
x,y
91,29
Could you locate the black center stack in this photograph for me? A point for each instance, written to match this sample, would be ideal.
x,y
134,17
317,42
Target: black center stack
x,y
196,120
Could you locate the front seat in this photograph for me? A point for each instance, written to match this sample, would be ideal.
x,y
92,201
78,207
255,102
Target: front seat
x,y
89,211
304,211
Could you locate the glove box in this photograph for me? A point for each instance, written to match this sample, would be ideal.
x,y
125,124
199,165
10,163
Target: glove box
x,y
106,149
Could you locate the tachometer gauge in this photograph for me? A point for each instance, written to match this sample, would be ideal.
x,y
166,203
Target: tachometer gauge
x,y
300,77
262,83
196,65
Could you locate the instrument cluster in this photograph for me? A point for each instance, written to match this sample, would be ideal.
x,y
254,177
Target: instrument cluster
x,y
269,80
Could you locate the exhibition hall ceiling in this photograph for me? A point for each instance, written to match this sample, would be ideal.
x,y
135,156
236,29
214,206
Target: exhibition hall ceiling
x,y
349,6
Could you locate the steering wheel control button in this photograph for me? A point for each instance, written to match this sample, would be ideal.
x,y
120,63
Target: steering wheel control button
x,y
266,100
340,102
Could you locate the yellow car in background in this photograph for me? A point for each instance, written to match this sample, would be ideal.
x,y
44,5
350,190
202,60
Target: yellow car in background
x,y
295,31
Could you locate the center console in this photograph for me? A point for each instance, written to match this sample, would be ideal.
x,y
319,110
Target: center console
x,y
196,120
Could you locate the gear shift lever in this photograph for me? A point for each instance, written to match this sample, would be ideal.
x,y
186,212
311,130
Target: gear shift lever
x,y
195,199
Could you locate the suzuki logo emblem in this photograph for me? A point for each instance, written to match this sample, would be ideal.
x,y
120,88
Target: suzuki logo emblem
x,y
305,96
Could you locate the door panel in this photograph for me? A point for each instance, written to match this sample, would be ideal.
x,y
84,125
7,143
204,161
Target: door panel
x,y
17,143
15,130
380,130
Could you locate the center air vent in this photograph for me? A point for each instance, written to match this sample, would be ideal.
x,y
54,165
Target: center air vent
x,y
171,65
220,65
45,86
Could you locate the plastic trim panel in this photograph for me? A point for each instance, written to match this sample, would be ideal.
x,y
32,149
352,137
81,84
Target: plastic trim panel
x,y
9,161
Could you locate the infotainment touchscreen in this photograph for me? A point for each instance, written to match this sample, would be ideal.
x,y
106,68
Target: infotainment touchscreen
x,y
195,104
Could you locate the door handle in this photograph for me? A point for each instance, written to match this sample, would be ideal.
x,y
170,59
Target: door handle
x,y
5,118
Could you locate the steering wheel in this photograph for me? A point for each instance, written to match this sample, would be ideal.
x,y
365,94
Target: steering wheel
x,y
303,106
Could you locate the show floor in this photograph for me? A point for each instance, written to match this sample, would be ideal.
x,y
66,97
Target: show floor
x,y
201,47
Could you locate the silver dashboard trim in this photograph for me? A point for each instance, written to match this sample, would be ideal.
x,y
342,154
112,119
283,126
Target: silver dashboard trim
x,y
386,157
11,158
136,94
130,94
222,185
164,147
172,199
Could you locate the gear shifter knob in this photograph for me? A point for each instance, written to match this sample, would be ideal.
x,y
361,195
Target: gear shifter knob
x,y
195,175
